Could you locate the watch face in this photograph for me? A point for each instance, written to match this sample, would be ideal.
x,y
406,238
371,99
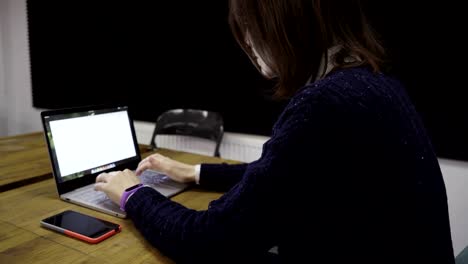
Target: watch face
x,y
133,187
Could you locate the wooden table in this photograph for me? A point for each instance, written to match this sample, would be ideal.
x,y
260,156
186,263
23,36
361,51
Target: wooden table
x,y
24,159
22,240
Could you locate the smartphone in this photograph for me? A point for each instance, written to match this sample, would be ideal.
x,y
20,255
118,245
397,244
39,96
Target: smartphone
x,y
81,226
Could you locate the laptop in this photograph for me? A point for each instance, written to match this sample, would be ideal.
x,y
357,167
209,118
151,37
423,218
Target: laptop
x,y
84,142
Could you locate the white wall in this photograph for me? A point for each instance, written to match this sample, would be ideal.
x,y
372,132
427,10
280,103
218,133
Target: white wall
x,y
234,146
18,116
3,107
16,112
456,182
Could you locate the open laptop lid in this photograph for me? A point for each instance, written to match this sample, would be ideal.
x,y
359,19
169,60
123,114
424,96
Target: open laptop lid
x,y
84,142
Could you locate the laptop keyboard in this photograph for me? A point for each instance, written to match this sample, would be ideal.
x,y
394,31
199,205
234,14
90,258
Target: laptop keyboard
x,y
87,194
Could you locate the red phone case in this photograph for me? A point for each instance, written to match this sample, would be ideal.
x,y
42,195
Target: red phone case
x,y
90,239
80,236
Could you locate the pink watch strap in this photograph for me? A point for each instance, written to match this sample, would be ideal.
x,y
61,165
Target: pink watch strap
x,y
127,193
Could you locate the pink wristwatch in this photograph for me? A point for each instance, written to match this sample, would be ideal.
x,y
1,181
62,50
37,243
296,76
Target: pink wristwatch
x,y
127,193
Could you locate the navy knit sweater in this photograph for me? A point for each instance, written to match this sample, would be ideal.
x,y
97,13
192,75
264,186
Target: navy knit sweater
x,y
348,176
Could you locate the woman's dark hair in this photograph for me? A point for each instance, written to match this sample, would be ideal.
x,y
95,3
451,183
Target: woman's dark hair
x,y
292,37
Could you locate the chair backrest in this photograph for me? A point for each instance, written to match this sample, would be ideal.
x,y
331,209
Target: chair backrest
x,y
190,122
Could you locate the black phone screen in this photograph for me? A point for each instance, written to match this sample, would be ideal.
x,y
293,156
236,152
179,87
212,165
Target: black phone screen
x,y
82,224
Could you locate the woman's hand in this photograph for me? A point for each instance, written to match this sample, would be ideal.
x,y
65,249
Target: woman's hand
x,y
114,183
177,171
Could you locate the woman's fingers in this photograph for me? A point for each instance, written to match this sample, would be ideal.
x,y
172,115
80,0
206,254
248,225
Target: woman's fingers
x,y
99,186
103,177
146,165
151,162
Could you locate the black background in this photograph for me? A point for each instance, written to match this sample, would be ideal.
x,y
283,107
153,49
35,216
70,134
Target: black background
x,y
153,57
426,42
173,54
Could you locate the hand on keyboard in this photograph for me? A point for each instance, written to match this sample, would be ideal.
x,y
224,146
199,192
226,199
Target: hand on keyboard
x,y
155,178
176,170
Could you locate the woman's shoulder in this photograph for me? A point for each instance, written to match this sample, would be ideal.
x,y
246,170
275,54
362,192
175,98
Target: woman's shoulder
x,y
348,86
321,98
346,94
349,81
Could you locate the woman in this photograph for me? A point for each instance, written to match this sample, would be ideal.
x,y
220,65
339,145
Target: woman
x,y
348,176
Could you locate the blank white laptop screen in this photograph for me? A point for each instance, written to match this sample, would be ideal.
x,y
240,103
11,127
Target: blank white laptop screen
x,y
88,142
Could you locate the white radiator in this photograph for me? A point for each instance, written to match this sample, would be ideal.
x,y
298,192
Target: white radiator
x,y
241,147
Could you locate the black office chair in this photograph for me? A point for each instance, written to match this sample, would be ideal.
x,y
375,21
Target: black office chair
x,y
190,122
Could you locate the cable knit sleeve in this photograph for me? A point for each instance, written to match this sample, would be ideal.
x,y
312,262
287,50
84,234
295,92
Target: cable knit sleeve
x,y
348,169
242,224
221,176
